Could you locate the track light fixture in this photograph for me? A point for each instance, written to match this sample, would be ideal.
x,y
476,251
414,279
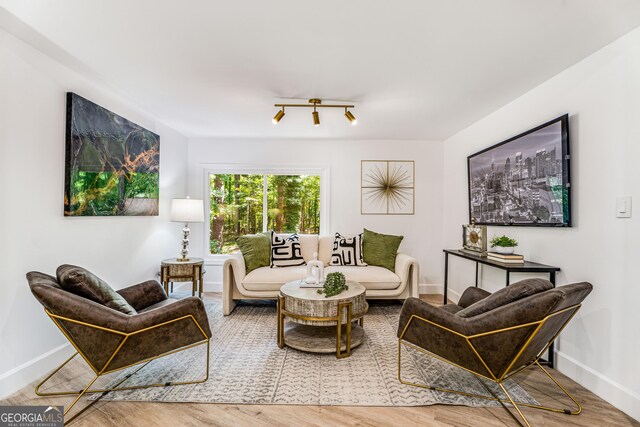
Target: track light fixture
x,y
316,117
315,104
350,117
279,115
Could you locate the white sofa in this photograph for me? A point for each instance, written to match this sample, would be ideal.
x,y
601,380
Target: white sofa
x,y
265,282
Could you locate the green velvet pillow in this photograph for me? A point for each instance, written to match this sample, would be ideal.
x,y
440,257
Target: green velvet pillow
x,y
380,249
256,250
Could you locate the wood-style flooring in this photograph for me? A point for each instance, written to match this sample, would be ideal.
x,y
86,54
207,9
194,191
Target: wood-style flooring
x,y
596,411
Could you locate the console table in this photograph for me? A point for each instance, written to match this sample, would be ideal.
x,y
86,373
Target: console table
x,y
526,267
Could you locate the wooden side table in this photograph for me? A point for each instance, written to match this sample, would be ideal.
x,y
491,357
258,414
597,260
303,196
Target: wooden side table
x,y
172,270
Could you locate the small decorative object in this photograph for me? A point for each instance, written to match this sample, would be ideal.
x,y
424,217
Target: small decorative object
x,y
503,245
186,210
334,284
315,270
111,164
474,238
387,187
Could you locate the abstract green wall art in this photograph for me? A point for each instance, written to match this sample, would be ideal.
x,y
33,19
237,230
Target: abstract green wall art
x,y
111,164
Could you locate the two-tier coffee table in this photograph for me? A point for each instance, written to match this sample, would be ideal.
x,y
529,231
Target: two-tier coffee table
x,y
316,323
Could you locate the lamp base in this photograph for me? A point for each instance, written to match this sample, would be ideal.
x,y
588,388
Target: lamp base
x,y
185,244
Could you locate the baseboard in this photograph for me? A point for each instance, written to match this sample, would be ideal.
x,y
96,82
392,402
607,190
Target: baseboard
x,y
36,368
208,287
213,286
430,289
437,289
616,394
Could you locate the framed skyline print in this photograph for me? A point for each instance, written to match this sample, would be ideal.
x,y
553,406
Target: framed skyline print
x,y
387,187
525,180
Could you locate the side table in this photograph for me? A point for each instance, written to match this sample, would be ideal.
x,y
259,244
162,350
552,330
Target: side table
x,y
317,322
172,270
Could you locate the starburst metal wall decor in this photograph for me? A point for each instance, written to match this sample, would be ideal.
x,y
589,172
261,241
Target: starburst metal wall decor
x,y
387,187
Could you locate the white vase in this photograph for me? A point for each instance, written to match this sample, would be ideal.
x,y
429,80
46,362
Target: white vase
x,y
504,250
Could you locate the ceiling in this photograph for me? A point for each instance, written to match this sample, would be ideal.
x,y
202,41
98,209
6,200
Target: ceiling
x,y
416,69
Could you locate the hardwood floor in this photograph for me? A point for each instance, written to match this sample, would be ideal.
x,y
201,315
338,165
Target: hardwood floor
x,y
596,411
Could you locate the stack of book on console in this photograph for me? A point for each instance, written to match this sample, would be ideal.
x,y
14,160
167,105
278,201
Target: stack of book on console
x,y
506,259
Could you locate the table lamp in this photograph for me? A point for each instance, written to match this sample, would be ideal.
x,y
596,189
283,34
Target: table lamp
x,y
186,210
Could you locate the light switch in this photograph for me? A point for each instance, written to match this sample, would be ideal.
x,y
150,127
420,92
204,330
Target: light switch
x,y
623,207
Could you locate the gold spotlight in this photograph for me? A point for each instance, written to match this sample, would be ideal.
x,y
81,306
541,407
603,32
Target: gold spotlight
x,y
279,115
316,118
351,117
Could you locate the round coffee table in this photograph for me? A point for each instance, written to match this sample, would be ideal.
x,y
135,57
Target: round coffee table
x,y
316,323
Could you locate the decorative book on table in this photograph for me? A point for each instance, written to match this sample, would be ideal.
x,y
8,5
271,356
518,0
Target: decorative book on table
x,y
507,259
505,256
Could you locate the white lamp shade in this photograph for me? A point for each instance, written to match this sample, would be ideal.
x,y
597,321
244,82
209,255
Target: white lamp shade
x,y
187,210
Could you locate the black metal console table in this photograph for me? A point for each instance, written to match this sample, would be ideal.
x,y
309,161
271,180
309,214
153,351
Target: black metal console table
x,y
526,267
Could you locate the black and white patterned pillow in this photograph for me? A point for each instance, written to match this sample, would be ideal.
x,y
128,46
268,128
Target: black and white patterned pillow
x,y
285,251
347,250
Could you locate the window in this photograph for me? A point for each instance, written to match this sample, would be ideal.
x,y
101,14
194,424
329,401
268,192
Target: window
x,y
255,202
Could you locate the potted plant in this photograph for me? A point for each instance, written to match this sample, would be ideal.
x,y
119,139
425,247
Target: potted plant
x,y
503,244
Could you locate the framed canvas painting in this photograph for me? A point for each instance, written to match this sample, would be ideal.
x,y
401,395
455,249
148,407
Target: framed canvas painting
x,y
111,164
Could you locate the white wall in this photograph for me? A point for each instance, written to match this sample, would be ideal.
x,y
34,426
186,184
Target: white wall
x,y
600,348
34,234
422,230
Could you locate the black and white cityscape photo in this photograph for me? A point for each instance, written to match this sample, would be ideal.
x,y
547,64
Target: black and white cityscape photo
x,y
520,182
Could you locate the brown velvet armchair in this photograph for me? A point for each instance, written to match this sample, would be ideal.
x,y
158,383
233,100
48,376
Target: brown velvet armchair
x,y
494,336
110,340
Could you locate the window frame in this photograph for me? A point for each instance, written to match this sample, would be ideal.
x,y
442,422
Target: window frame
x,y
244,169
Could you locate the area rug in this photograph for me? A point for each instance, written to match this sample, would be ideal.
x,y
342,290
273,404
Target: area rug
x,y
248,367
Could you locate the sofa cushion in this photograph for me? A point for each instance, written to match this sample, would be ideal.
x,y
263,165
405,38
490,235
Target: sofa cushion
x,y
271,279
285,251
325,248
82,282
370,277
504,296
380,249
347,250
308,246
256,250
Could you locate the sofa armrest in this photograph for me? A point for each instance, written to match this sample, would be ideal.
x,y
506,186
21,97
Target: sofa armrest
x,y
143,294
187,306
406,269
233,273
236,263
472,295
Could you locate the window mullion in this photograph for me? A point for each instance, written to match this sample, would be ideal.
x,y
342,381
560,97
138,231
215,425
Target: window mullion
x,y
264,203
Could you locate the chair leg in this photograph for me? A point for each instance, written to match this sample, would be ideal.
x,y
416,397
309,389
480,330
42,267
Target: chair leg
x,y
88,390
504,390
493,397
48,377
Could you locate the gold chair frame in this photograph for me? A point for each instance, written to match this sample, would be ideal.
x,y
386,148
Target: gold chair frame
x,y
497,378
105,369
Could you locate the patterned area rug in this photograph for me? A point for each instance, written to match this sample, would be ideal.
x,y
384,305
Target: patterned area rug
x,y
248,367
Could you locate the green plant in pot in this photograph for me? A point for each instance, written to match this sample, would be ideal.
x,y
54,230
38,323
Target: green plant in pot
x,y
503,244
334,284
